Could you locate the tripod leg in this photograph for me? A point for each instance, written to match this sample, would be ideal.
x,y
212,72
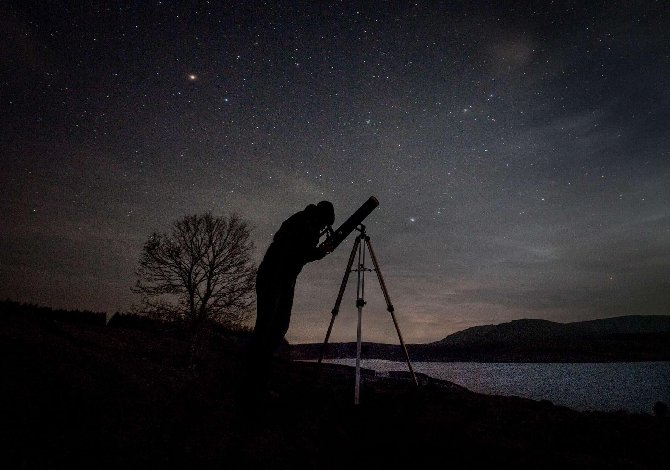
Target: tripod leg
x,y
389,307
360,303
357,386
325,342
338,301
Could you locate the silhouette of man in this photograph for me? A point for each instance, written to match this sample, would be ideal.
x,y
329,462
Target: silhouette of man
x,y
293,246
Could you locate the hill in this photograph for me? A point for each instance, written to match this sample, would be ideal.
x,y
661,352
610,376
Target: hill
x,y
81,394
537,331
626,338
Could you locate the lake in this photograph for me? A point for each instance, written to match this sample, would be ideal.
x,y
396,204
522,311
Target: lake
x,y
631,386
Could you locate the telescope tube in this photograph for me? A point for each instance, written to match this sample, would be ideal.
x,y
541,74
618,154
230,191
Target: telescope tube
x,y
350,224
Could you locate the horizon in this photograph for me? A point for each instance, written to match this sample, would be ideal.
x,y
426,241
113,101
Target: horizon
x,y
520,157
498,324
109,316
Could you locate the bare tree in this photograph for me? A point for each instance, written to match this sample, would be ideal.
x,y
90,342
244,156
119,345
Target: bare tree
x,y
201,270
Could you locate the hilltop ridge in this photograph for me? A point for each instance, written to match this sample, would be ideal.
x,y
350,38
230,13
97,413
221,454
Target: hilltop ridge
x,y
528,329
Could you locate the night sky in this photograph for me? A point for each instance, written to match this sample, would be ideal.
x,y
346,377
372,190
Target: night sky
x,y
520,152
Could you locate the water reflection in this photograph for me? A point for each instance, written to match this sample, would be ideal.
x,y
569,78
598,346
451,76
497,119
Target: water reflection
x,y
631,386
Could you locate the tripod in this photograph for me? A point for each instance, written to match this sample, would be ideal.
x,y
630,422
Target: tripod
x,y
360,244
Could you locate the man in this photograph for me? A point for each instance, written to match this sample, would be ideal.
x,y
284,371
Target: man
x,y
294,245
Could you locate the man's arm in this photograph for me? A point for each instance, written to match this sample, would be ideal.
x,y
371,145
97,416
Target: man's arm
x,y
298,238
314,254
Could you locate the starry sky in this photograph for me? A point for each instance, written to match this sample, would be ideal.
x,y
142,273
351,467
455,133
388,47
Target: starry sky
x,y
520,151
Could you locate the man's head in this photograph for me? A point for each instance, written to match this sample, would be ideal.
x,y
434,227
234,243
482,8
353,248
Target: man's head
x,y
325,213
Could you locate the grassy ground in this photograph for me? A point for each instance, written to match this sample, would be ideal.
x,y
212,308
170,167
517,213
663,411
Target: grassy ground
x,y
75,395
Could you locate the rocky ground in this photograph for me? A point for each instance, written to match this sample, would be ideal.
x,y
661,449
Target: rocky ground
x,y
76,395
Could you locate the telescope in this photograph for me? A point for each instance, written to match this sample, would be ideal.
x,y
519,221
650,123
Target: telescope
x,y
349,225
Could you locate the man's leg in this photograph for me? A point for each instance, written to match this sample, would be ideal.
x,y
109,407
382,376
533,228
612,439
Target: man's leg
x,y
259,356
270,331
274,301
282,318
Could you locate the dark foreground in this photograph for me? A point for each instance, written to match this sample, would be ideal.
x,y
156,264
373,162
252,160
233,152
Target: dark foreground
x,y
103,397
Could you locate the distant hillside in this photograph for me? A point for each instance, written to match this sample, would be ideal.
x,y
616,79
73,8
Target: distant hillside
x,y
528,330
627,338
34,311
